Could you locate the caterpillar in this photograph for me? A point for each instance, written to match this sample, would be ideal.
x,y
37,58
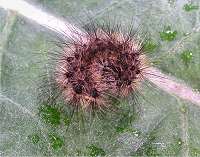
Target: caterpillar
x,y
105,63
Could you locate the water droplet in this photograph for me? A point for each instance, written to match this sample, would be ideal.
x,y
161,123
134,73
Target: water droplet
x,y
180,142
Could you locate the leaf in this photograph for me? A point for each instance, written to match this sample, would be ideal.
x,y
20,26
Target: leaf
x,y
158,125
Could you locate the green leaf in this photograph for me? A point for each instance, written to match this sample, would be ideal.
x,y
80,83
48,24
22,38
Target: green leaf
x,y
163,125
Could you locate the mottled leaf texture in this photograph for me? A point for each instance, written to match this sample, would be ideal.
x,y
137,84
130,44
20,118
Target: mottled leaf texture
x,y
159,124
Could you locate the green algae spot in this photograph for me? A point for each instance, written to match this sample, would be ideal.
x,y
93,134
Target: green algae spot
x,y
34,138
149,46
50,114
168,34
56,141
190,7
186,57
95,151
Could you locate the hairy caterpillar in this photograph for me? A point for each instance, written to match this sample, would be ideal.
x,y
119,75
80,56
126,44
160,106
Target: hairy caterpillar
x,y
105,63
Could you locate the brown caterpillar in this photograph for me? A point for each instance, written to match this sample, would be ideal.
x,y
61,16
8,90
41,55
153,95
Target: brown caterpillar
x,y
103,64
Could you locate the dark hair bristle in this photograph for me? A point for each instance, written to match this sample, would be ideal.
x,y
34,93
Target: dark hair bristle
x,y
94,93
78,89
